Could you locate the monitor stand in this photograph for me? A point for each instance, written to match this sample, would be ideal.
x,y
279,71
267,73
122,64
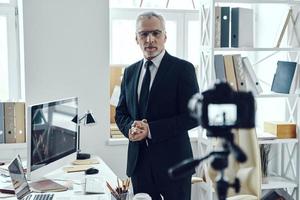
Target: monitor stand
x,y
83,156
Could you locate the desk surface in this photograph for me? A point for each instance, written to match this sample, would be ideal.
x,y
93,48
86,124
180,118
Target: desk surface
x,y
78,180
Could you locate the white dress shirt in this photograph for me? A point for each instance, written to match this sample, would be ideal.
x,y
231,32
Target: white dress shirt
x,y
153,70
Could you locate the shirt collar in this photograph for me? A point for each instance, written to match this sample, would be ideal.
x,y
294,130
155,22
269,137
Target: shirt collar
x,y
157,60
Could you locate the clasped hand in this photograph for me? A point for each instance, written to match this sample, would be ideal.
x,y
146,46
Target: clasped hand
x,y
139,130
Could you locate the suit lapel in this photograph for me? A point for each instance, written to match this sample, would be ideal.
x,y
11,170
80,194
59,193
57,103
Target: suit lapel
x,y
135,86
160,75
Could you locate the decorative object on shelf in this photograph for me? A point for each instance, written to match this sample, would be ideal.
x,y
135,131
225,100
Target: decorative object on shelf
x,y
281,130
88,120
264,155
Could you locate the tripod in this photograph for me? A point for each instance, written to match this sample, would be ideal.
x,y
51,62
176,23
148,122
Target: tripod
x,y
219,163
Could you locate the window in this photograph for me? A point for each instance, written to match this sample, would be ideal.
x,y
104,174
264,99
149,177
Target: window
x,y
10,79
181,25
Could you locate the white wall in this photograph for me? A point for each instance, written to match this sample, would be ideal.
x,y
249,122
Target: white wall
x,y
66,45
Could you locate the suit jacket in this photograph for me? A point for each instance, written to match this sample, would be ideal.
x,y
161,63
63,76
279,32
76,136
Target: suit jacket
x,y
167,113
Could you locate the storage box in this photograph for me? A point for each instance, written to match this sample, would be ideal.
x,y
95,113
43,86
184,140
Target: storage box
x,y
281,129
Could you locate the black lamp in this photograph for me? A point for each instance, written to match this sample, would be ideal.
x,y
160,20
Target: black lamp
x,y
88,120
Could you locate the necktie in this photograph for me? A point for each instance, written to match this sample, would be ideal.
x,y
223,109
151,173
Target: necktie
x,y
144,95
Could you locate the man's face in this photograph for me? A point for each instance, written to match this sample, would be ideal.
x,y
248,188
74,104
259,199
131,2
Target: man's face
x,y
151,37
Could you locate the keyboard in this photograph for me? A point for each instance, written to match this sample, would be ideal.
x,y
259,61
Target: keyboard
x,y
39,197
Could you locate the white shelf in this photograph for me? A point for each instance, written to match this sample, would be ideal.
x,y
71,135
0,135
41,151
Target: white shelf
x,y
257,49
260,1
275,182
272,95
7,146
278,141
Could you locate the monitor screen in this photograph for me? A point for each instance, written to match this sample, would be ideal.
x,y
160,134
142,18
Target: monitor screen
x,y
52,136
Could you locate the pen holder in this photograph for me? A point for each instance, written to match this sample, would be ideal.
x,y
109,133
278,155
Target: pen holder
x,y
122,196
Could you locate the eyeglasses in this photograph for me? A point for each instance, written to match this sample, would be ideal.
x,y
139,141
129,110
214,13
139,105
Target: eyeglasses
x,y
145,34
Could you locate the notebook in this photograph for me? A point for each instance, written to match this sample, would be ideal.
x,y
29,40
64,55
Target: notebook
x,y
20,184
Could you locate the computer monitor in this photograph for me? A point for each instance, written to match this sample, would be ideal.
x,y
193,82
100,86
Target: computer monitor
x,y
51,136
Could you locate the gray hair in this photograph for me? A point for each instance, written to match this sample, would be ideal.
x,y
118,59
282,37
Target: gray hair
x,y
148,15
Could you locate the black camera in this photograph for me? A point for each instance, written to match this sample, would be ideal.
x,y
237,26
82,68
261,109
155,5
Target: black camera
x,y
221,108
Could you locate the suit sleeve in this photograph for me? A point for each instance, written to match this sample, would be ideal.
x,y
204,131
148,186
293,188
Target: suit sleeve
x,y
167,128
122,117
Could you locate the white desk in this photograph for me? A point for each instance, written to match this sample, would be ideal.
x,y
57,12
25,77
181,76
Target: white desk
x,y
78,179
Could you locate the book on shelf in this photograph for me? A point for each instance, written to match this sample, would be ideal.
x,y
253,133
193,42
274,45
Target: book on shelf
x,y
229,71
283,77
239,72
2,139
117,136
251,78
219,67
14,122
241,27
225,20
217,26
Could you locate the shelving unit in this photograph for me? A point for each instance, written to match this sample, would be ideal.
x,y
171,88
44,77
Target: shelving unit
x,y
289,148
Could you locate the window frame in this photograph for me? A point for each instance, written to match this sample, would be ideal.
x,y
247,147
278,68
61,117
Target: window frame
x,y
10,11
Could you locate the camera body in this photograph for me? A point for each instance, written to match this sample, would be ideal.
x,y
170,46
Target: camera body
x,y
221,108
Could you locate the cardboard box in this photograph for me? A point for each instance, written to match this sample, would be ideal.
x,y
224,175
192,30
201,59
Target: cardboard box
x,y
115,80
281,129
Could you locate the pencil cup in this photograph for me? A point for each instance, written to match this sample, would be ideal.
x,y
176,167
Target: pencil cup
x,y
122,196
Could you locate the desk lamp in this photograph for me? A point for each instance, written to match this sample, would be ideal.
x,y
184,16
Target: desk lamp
x,y
88,120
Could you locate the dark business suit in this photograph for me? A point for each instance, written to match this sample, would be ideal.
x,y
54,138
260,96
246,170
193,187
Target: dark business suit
x,y
167,115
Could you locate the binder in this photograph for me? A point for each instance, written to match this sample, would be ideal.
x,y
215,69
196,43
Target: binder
x,y
20,122
229,71
239,72
217,26
283,77
251,78
225,19
219,67
14,122
2,139
241,27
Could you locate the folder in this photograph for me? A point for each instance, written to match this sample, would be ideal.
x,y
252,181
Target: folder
x,y
9,122
229,71
251,78
241,27
219,67
217,26
283,77
2,139
225,19
239,72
